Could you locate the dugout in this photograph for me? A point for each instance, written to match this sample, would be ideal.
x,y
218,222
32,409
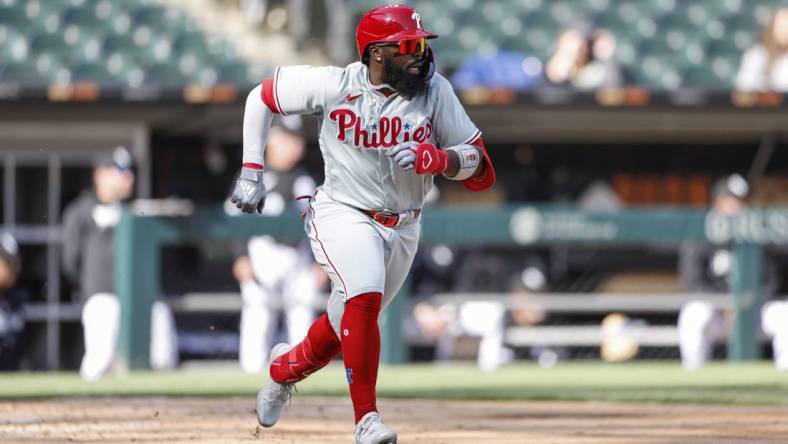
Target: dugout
x,y
47,143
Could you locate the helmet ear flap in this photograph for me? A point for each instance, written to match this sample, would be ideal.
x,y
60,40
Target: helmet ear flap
x,y
430,64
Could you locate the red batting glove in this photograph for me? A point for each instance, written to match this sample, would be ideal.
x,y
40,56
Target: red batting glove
x,y
430,159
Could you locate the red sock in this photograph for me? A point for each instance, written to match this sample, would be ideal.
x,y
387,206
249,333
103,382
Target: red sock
x,y
361,350
313,353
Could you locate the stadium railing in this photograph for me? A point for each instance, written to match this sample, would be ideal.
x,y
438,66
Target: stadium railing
x,y
140,236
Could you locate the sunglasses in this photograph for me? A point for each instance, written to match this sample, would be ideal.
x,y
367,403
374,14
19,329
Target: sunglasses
x,y
411,47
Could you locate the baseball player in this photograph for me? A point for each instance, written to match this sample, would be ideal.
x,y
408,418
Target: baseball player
x,y
388,125
707,268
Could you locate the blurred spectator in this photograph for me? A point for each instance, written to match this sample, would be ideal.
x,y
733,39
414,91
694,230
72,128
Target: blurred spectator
x,y
254,11
88,261
502,70
275,277
602,70
12,300
764,67
706,268
337,16
301,25
445,323
584,58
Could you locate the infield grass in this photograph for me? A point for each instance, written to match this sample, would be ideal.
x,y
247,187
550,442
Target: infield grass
x,y
719,383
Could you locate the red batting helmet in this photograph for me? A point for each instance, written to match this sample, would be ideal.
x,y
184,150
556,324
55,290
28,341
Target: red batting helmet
x,y
389,23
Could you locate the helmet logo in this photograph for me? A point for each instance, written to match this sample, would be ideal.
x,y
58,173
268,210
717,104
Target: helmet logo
x,y
417,17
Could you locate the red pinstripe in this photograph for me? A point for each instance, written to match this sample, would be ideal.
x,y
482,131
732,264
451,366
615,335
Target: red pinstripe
x,y
323,247
276,93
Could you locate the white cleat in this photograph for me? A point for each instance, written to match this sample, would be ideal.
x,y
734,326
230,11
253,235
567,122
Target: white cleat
x,y
371,430
272,398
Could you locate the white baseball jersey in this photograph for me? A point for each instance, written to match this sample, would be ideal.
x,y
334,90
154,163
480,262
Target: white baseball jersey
x,y
358,123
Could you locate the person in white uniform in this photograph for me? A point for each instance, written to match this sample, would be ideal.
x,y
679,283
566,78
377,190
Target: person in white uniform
x,y
707,268
388,124
276,277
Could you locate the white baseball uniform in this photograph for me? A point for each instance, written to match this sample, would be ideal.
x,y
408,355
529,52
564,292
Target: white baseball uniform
x,y
358,122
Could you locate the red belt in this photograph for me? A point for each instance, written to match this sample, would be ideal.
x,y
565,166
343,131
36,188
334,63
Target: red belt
x,y
390,220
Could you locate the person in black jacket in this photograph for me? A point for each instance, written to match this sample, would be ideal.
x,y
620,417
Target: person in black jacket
x,y
12,300
88,261
705,268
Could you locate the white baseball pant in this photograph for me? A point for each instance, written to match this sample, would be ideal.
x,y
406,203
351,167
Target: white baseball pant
x,y
101,323
358,254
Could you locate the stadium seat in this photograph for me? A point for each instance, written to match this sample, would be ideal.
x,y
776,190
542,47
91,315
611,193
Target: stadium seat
x,y
541,19
628,11
191,42
743,31
234,73
724,49
656,73
707,77
118,24
222,52
96,72
82,17
50,43
613,23
119,64
567,12
123,43
24,73
14,46
13,16
166,75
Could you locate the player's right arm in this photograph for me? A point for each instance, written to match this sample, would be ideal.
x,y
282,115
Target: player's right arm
x,y
291,90
249,191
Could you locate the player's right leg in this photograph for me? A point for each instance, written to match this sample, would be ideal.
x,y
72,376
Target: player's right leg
x,y
292,364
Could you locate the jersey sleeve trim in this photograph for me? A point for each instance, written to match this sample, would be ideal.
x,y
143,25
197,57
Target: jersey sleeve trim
x,y
474,136
276,90
487,179
267,95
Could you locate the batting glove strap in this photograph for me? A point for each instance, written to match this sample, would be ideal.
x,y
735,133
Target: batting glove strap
x,y
469,161
249,192
431,160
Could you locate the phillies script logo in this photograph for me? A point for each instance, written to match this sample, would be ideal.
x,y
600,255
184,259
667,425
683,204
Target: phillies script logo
x,y
385,133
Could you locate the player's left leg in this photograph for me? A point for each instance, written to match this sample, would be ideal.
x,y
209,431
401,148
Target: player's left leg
x,y
360,334
361,350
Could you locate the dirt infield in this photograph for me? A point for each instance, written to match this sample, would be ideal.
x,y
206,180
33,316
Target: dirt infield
x,y
327,421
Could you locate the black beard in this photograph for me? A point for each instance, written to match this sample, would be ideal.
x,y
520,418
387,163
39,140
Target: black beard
x,y
406,84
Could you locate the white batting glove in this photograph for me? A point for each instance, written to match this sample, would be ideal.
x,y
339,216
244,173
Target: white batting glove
x,y
404,154
249,192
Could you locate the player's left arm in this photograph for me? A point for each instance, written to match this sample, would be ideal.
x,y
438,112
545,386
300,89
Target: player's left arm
x,y
470,164
460,153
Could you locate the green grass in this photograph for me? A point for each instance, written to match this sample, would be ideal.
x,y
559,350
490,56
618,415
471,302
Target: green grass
x,y
751,383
